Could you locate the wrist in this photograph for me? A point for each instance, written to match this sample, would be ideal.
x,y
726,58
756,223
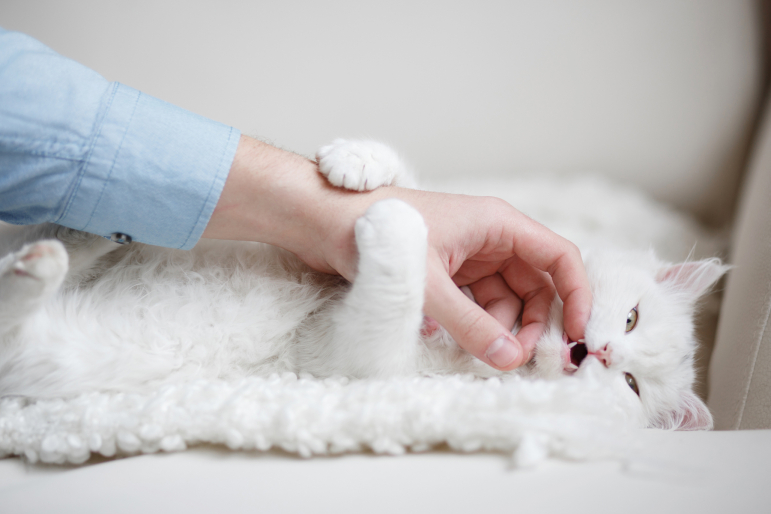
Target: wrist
x,y
278,197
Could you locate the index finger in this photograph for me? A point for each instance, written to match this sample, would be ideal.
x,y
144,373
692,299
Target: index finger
x,y
545,250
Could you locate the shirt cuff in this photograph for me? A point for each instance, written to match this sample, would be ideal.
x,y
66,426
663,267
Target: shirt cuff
x,y
154,172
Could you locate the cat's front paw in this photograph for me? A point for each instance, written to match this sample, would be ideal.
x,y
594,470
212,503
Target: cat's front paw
x,y
359,165
44,261
392,239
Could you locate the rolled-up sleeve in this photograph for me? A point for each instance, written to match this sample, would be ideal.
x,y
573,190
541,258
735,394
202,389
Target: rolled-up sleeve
x,y
103,157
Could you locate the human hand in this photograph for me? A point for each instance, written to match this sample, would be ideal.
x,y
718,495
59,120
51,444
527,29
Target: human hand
x,y
512,264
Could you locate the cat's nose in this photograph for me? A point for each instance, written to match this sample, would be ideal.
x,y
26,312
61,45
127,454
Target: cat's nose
x,y
604,355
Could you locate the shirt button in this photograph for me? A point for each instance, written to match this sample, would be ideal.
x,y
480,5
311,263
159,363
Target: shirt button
x,y
117,237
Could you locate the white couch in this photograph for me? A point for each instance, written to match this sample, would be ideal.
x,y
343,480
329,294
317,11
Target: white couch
x,y
666,95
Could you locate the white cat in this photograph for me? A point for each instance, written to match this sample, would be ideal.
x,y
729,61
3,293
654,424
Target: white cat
x,y
80,313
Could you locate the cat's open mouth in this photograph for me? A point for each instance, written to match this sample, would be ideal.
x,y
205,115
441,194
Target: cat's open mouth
x,y
578,353
575,353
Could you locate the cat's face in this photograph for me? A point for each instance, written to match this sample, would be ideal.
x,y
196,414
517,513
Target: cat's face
x,y
639,336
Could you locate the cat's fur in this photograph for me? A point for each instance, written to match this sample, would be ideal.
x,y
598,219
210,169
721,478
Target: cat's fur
x,y
80,313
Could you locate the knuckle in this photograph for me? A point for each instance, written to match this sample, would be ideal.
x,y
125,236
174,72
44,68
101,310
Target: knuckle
x,y
496,206
574,251
569,257
546,291
501,204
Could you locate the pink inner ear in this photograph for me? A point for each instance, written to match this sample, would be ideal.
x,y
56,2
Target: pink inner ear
x,y
694,414
692,277
669,274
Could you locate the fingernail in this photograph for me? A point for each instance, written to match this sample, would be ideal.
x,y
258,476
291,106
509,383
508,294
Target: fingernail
x,y
502,352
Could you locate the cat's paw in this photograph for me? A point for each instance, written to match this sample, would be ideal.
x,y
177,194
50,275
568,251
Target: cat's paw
x,y
392,239
429,326
360,165
29,277
43,261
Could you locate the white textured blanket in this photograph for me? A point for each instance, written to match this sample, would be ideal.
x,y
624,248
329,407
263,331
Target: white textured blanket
x,y
566,418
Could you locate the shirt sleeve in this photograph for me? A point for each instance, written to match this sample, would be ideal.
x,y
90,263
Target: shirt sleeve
x,y
102,157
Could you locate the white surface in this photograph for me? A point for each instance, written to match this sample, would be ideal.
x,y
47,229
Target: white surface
x,y
659,93
701,472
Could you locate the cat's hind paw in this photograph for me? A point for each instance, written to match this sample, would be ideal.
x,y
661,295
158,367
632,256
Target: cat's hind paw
x,y
43,261
360,165
30,277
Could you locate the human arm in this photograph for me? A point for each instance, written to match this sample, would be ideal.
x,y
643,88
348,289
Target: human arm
x,y
99,156
102,157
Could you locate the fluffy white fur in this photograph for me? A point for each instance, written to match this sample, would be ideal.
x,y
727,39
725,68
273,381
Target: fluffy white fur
x,y
362,165
138,318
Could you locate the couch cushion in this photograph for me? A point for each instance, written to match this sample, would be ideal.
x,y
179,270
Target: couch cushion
x,y
740,369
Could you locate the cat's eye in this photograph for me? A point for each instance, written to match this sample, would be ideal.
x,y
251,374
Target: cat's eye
x,y
631,319
631,382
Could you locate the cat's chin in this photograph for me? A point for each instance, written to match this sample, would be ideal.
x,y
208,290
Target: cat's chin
x,y
556,356
568,368
552,356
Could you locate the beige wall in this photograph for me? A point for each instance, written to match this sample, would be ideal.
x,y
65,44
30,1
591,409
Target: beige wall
x,y
662,93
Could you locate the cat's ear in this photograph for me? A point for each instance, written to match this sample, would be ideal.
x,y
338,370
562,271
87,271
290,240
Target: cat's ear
x,y
692,279
692,413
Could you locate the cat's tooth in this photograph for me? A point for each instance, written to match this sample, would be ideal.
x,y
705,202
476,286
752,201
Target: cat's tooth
x,y
582,341
571,345
572,366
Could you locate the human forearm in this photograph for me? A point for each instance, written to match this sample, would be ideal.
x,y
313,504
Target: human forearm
x,y
278,197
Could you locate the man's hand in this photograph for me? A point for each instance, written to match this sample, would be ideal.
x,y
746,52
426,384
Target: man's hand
x,y
512,264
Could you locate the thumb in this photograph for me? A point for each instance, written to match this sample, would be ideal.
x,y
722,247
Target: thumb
x,y
473,329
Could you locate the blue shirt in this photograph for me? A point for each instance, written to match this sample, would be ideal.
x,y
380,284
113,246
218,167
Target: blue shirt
x,y
100,156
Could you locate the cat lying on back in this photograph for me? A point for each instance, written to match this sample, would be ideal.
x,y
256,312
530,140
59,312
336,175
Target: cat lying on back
x,y
80,313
